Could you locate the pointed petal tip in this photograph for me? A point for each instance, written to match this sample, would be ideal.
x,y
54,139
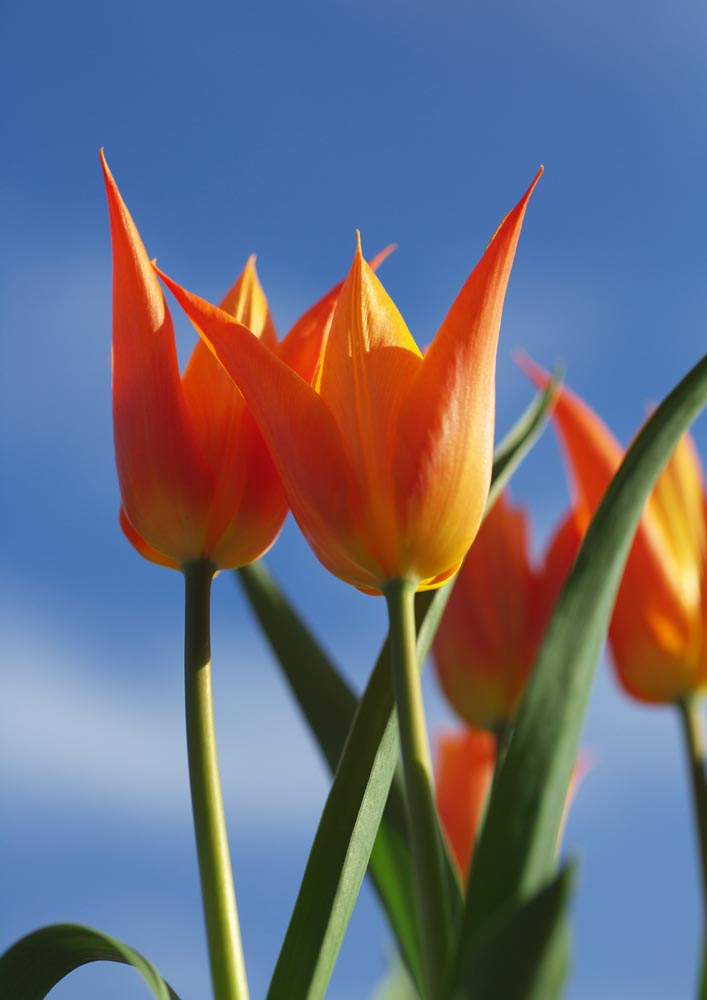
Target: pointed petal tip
x,y
376,261
540,171
535,372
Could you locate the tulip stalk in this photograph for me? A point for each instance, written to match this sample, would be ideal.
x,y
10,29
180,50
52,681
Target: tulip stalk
x,y
433,907
218,894
693,725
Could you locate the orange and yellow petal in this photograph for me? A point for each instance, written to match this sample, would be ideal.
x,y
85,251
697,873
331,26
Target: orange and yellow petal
x,y
301,349
366,370
164,482
247,303
656,627
444,450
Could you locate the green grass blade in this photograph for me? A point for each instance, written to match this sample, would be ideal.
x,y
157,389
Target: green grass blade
x,y
36,963
517,850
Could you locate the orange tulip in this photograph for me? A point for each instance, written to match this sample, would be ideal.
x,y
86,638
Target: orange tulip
x,y
657,632
386,459
196,479
496,616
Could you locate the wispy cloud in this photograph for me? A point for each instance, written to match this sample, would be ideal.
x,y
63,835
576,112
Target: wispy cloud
x,y
78,733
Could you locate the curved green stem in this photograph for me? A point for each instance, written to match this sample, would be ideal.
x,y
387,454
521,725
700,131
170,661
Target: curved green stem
x,y
219,899
430,886
693,725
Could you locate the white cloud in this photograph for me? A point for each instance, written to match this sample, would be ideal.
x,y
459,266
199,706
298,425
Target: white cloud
x,y
80,733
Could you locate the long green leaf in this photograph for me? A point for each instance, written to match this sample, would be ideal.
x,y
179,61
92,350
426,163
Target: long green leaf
x,y
517,849
344,839
36,963
523,953
329,706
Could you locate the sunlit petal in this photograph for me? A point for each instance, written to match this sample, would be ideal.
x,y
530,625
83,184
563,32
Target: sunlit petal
x,y
444,448
164,482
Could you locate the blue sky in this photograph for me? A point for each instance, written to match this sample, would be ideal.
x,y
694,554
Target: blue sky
x,y
278,129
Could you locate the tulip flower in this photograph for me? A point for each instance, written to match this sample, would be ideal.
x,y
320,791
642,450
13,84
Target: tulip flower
x,y
196,479
657,632
496,616
386,459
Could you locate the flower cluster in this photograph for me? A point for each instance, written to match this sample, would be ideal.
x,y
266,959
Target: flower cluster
x,y
384,455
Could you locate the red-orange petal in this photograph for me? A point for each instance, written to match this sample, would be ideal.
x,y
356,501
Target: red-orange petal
x,y
139,543
465,766
248,505
164,482
481,649
445,439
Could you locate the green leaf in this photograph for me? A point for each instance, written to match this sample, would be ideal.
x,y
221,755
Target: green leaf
x,y
352,814
523,952
36,963
516,853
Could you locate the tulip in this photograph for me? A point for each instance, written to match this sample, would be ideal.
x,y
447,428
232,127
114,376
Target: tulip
x,y
386,459
657,632
196,479
496,616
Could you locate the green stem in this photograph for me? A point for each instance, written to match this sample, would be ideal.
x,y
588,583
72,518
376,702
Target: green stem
x,y
219,899
427,852
693,725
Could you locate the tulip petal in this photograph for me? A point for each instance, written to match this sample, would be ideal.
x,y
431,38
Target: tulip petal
x,y
300,433
164,482
139,543
444,447
302,347
465,766
654,631
367,367
677,507
592,452
243,474
480,648
246,302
